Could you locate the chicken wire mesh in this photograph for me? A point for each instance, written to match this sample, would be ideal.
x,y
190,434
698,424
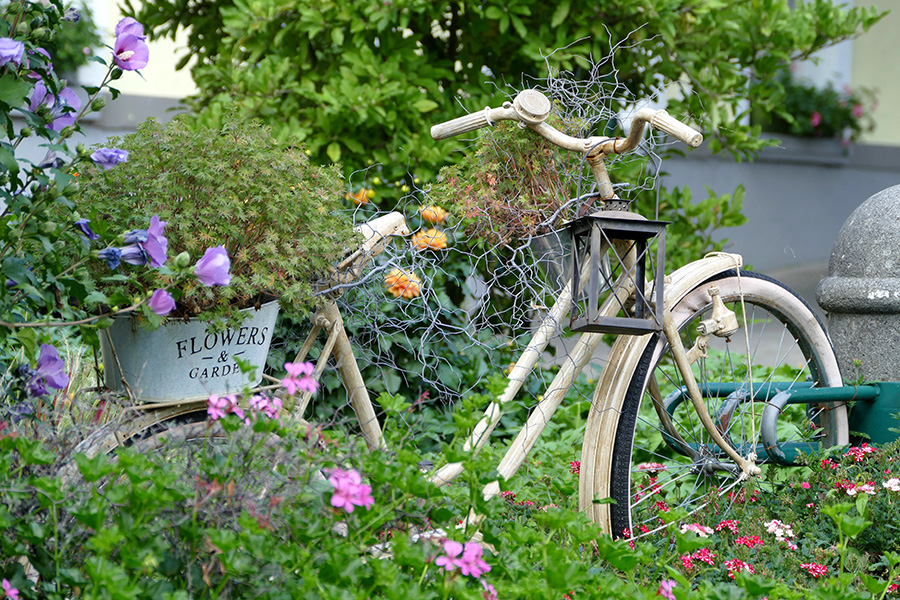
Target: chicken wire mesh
x,y
441,316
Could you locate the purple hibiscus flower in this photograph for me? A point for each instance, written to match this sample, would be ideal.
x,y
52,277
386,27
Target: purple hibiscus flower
x,y
11,51
52,368
112,256
214,267
156,245
62,108
133,254
84,226
109,157
129,26
161,302
130,50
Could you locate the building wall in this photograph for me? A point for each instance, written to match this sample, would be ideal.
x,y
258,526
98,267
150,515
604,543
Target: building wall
x,y
876,65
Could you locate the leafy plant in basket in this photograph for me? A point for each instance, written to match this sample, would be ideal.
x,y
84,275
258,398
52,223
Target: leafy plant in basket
x,y
234,185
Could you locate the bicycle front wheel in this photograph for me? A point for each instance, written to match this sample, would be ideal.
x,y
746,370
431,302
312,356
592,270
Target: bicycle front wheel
x,y
662,458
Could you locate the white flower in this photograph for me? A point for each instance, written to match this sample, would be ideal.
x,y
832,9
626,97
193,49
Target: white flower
x,y
893,484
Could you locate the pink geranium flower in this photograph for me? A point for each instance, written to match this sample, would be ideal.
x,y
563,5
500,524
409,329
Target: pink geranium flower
x,y
349,490
468,558
815,119
9,591
299,378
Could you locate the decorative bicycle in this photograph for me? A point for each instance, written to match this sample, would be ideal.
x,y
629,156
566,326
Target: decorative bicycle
x,y
715,372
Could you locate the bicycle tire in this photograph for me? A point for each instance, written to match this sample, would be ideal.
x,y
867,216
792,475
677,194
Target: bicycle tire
x,y
695,483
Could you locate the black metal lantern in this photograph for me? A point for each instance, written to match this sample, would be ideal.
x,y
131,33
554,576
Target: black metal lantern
x,y
614,298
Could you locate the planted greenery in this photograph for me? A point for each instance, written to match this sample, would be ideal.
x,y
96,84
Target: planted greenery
x,y
233,185
287,511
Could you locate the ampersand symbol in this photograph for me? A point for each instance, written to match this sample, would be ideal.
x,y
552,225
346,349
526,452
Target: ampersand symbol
x,y
223,357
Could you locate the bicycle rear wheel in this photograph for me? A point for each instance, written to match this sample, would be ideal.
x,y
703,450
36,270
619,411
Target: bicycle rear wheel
x,y
662,457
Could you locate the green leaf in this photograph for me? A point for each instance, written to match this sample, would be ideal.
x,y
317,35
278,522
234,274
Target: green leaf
x,y
560,14
425,105
93,468
14,90
334,151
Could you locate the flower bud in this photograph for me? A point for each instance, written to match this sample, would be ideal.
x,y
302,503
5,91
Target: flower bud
x,y
26,132
82,151
116,74
40,33
183,260
98,104
22,30
14,8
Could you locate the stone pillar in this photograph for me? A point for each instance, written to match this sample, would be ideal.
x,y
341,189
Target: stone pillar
x,y
862,291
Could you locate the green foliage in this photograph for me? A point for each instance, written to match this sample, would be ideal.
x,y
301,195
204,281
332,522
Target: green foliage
x,y
810,111
250,515
361,82
233,185
73,44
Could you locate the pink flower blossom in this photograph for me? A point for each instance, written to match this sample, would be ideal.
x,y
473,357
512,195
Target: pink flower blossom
x,y
349,490
10,592
472,562
704,555
665,589
749,540
450,559
489,592
815,569
736,566
815,119
892,484
859,453
701,530
857,111
298,378
216,406
575,467
729,524
805,485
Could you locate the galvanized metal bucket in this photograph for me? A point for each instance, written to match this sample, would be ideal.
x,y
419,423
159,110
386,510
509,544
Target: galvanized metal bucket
x,y
184,360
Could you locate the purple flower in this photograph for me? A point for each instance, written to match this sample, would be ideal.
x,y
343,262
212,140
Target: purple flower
x,y
133,254
156,244
112,256
11,51
36,386
161,302
62,108
131,52
38,64
129,26
84,226
109,157
214,267
136,236
52,368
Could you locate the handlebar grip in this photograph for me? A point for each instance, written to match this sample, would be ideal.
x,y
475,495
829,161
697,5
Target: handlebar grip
x,y
666,122
464,124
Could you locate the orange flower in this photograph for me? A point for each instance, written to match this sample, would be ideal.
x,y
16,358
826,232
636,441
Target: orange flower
x,y
433,214
402,283
432,238
361,197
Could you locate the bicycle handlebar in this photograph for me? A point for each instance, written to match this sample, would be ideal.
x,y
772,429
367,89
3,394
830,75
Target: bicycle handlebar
x,y
531,107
